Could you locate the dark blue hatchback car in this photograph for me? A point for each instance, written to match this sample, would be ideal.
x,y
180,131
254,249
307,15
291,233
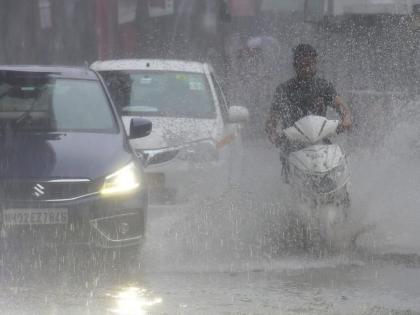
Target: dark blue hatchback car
x,y
67,171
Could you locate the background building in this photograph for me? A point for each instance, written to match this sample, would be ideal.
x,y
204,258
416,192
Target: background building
x,y
372,39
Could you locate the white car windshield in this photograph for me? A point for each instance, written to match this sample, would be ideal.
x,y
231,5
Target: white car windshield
x,y
49,104
161,93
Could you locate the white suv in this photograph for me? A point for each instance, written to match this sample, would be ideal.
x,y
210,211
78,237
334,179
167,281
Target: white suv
x,y
194,149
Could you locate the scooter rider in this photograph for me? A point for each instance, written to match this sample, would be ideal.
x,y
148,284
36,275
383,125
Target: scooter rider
x,y
303,95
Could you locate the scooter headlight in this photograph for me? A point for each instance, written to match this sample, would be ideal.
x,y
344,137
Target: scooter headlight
x,y
338,173
324,182
125,180
331,181
302,178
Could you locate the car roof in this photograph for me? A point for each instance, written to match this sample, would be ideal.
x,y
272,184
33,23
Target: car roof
x,y
150,64
70,72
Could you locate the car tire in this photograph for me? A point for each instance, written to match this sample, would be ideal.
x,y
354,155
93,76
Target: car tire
x,y
236,162
127,259
120,260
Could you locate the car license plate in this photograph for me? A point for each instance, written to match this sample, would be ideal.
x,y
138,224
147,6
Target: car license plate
x,y
35,216
155,180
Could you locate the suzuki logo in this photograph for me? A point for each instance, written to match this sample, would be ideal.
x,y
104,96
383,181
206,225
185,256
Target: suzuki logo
x,y
38,190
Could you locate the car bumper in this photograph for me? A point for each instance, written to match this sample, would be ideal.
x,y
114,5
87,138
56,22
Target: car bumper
x,y
180,182
95,221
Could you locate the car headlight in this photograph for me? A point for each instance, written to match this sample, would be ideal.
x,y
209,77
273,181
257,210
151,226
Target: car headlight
x,y
200,151
125,180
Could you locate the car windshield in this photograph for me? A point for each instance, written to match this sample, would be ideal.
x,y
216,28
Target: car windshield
x,y
160,93
44,103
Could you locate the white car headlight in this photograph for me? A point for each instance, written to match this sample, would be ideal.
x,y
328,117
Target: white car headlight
x,y
125,180
200,151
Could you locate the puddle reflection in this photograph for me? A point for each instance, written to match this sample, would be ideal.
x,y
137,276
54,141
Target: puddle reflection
x,y
133,301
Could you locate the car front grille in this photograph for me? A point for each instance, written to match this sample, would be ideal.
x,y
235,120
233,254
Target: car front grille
x,y
44,190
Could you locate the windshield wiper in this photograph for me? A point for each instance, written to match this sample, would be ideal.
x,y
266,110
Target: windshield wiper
x,y
26,115
22,119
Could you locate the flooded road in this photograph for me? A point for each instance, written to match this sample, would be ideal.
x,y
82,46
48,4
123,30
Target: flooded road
x,y
287,286
230,256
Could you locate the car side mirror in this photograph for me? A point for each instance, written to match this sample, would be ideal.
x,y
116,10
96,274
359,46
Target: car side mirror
x,y
140,128
238,114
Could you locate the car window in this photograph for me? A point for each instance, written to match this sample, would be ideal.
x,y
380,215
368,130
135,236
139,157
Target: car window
x,y
161,93
49,104
221,97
